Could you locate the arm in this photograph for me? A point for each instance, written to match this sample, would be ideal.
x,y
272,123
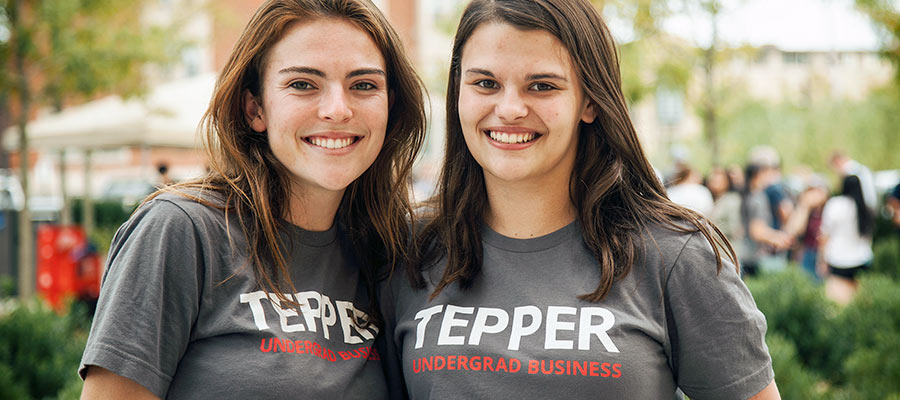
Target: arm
x,y
102,384
761,232
769,393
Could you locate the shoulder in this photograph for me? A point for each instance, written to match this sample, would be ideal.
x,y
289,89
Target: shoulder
x,y
665,244
680,247
174,213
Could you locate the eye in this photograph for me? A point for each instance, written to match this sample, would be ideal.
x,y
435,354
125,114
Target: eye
x,y
364,86
542,87
301,85
486,84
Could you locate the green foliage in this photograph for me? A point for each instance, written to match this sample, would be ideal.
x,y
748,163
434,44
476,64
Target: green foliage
x,y
871,323
795,381
40,351
806,133
796,309
887,257
821,351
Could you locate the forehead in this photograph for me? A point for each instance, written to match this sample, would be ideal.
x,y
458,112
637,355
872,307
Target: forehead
x,y
501,46
324,43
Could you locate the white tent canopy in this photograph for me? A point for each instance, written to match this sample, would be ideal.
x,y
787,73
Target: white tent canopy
x,y
167,117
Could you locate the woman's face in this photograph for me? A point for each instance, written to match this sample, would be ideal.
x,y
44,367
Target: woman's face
x,y
717,182
520,102
324,103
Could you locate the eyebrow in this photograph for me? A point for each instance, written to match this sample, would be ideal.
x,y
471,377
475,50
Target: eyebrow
x,y
532,77
313,71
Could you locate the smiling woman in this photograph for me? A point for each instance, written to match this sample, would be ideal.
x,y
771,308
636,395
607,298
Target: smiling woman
x,y
256,281
550,248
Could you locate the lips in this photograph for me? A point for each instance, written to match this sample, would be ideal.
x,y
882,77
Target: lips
x,y
515,136
332,143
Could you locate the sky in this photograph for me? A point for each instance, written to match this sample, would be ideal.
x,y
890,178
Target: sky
x,y
793,25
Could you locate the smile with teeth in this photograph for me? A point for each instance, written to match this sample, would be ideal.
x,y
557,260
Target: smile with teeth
x,y
330,143
512,138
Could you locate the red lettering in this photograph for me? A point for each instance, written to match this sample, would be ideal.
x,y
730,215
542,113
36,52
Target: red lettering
x,y
549,369
488,364
594,367
429,362
580,368
605,370
451,363
308,345
373,354
298,347
514,365
344,355
532,367
559,367
617,373
501,364
463,360
441,365
262,347
476,363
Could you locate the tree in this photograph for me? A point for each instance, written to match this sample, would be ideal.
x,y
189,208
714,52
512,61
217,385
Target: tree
x,y
67,51
886,14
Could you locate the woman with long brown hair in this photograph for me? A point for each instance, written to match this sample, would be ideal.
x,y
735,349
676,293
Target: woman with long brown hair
x,y
256,281
552,264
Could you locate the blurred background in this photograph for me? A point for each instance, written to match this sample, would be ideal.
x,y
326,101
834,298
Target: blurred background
x,y
100,101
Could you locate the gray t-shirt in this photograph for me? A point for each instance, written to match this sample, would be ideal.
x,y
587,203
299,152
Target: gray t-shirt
x,y
172,318
521,332
757,209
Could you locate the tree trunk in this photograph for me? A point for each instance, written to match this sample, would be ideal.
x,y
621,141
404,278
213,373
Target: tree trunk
x,y
26,238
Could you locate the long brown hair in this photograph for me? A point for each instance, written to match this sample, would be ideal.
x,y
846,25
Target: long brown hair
x,y
254,185
613,187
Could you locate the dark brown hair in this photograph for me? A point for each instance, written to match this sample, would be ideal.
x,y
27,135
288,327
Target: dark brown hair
x,y
254,185
613,187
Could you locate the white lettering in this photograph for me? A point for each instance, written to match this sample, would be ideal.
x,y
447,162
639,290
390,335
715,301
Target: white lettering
x,y
586,329
329,316
259,316
450,321
347,321
310,314
480,325
425,316
518,329
554,325
284,313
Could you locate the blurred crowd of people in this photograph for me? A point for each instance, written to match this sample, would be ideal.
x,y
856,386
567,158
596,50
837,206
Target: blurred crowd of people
x,y
771,219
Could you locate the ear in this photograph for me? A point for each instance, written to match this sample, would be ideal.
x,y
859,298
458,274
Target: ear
x,y
589,113
253,112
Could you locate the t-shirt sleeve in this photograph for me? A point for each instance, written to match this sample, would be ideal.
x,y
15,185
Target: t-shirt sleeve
x,y
149,298
386,344
758,209
717,334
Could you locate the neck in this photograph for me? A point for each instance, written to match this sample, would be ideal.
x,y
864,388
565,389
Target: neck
x,y
314,210
524,210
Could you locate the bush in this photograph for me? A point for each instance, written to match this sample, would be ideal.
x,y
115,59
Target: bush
x,y
887,256
40,351
796,308
871,322
794,380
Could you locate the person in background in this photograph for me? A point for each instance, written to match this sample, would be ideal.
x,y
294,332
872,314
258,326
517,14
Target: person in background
x,y
726,210
552,263
815,193
257,281
846,240
843,165
687,189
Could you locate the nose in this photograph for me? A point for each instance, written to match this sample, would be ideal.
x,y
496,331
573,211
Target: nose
x,y
334,106
511,106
